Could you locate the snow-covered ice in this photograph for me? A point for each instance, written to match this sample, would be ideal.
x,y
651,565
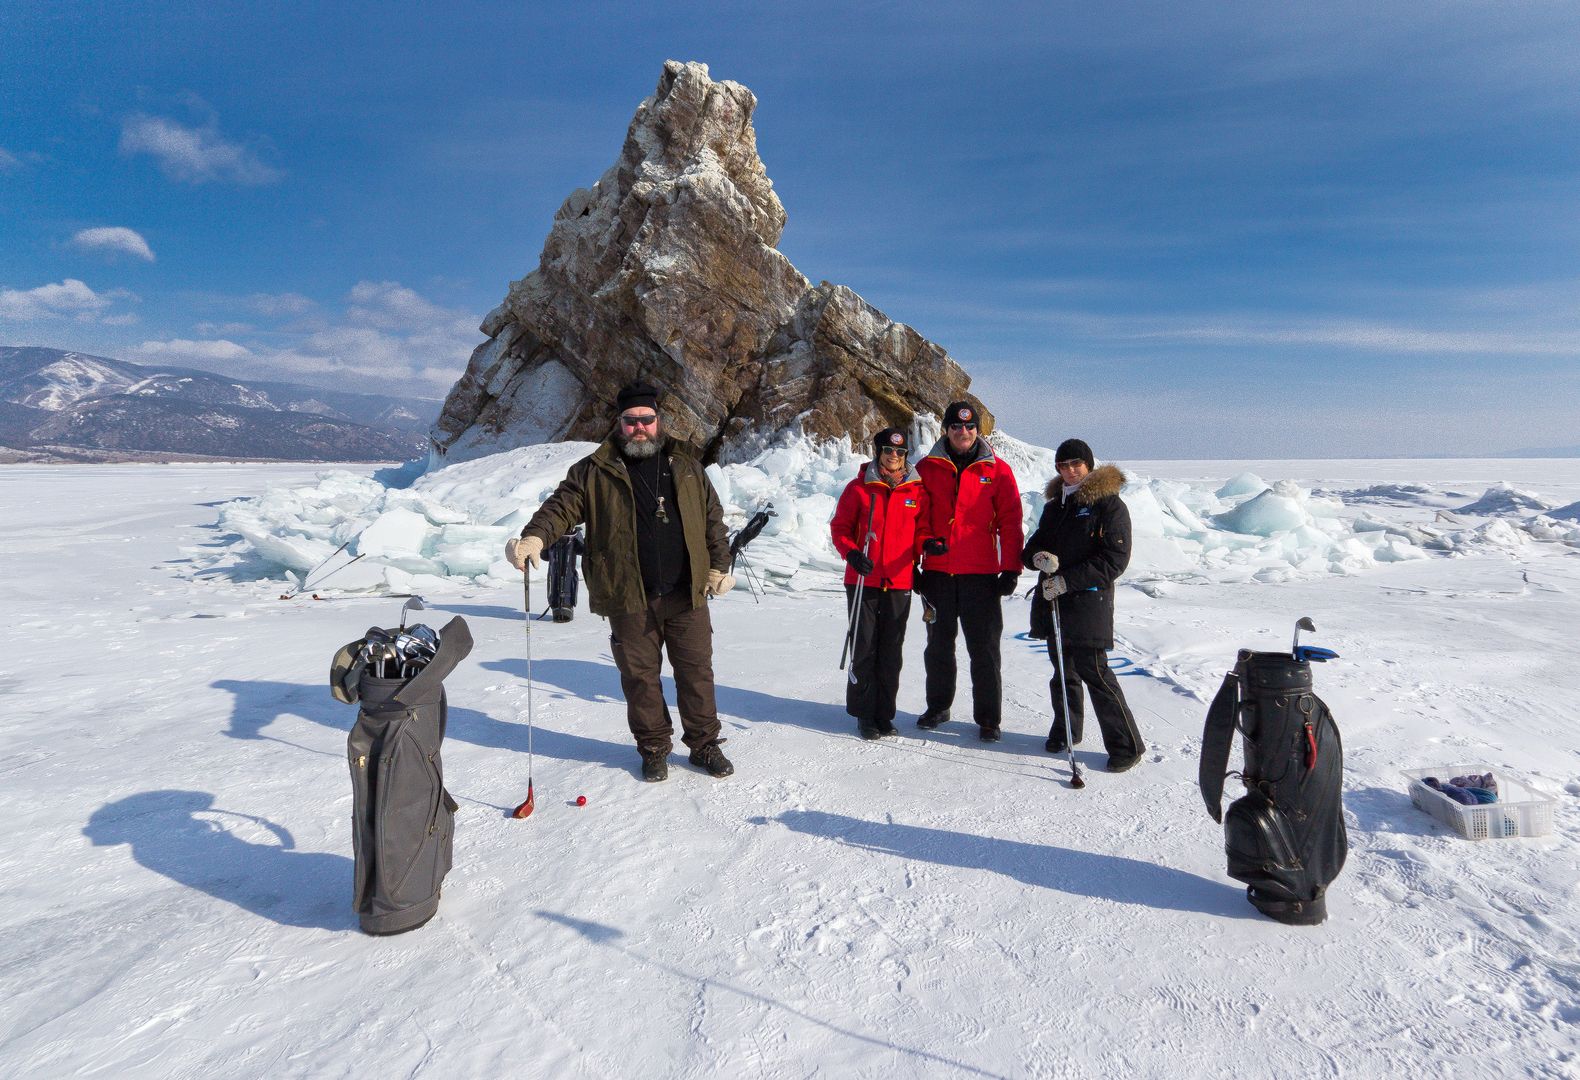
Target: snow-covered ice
x,y
177,869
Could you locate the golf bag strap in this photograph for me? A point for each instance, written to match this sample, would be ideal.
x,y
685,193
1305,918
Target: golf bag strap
x,y
1216,738
455,643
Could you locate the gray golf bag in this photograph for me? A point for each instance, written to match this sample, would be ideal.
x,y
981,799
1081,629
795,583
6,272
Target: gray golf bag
x,y
1285,837
402,818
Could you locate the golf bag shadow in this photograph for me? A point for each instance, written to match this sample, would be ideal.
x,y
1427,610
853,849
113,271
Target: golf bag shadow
x,y
402,818
1285,837
563,579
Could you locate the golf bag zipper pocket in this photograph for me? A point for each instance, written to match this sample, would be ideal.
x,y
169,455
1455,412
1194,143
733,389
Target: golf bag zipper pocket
x,y
1261,846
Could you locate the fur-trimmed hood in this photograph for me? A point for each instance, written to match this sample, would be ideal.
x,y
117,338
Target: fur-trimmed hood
x,y
1101,482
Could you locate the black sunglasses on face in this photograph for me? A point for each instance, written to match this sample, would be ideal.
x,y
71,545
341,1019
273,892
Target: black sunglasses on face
x,y
893,450
639,421
962,427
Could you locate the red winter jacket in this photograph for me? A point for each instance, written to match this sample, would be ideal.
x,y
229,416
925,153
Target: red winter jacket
x,y
899,520
976,509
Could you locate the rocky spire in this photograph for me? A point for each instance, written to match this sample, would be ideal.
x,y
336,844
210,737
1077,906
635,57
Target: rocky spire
x,y
666,269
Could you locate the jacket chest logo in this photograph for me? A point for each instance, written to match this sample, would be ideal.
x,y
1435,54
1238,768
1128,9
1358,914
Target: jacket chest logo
x,y
984,479
1085,511
910,503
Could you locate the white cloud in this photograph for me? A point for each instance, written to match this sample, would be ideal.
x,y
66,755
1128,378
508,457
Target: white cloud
x,y
276,305
210,329
9,162
390,340
114,238
390,304
194,154
181,349
68,299
1368,337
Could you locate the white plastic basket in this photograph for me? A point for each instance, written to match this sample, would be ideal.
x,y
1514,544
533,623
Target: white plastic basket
x,y
1521,810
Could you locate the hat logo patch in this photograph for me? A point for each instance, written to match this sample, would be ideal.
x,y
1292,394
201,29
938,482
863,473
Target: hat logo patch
x,y
965,414
897,439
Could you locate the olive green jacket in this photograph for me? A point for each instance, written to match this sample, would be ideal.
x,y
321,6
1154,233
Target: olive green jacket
x,y
597,492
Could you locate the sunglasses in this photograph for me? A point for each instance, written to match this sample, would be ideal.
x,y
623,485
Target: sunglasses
x,y
639,421
962,427
893,450
1072,463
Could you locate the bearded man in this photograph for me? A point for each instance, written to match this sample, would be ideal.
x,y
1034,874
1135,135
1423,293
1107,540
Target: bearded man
x,y
656,551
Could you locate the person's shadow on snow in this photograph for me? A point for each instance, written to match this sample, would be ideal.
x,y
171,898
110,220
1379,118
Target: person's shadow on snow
x,y
1080,873
594,681
185,837
259,703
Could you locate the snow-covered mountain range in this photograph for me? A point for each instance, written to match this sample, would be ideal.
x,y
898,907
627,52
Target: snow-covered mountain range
x,y
59,405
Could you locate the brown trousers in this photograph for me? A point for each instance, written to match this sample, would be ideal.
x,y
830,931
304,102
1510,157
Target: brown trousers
x,y
671,624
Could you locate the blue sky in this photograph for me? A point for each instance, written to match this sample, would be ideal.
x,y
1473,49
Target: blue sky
x,y
1177,230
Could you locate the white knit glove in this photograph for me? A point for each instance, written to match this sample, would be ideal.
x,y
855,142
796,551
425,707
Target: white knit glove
x,y
719,583
1054,588
1046,561
520,552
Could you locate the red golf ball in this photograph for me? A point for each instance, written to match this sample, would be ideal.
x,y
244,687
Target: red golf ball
x,y
581,800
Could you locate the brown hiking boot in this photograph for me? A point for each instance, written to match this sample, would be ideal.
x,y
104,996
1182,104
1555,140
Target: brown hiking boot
x,y
655,766
711,758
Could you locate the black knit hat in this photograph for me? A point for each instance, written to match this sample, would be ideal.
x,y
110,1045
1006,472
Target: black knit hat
x,y
961,412
637,394
1075,450
890,436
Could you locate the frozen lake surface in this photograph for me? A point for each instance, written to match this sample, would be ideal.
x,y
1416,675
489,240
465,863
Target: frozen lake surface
x,y
177,874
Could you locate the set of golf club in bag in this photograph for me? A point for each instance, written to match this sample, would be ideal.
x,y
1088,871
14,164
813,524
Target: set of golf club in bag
x,y
1285,838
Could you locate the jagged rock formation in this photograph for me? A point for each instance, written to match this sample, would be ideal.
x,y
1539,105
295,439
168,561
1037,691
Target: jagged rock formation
x,y
666,269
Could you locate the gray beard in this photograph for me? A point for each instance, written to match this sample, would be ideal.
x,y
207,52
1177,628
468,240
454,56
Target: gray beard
x,y
640,451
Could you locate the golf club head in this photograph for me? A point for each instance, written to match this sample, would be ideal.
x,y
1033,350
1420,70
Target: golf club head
x,y
1303,623
412,604
1314,654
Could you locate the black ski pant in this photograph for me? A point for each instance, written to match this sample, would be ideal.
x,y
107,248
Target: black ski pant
x,y
1121,737
969,602
876,655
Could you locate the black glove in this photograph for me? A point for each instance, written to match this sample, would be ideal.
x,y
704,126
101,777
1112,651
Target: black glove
x,y
858,562
936,546
1008,581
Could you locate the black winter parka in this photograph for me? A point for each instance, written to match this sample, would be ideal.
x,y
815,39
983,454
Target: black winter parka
x,y
1090,534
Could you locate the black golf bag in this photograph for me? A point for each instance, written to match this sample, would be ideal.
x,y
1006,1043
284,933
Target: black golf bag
x,y
402,818
563,578
1041,628
1285,837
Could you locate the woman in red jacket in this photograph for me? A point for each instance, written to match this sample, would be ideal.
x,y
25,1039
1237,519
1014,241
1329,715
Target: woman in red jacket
x,y
879,529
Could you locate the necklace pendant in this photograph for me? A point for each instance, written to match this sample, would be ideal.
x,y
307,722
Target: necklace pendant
x,y
662,515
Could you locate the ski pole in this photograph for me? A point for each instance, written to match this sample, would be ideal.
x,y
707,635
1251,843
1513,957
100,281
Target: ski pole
x,y
1064,690
529,804
320,581
855,611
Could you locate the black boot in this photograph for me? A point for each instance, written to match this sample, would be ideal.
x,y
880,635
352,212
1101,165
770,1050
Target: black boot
x,y
710,757
933,718
868,730
655,765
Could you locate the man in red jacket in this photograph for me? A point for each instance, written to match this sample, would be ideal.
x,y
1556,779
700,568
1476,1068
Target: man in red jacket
x,y
879,529
975,508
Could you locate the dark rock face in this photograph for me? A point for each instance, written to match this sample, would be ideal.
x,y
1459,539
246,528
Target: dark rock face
x,y
666,270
